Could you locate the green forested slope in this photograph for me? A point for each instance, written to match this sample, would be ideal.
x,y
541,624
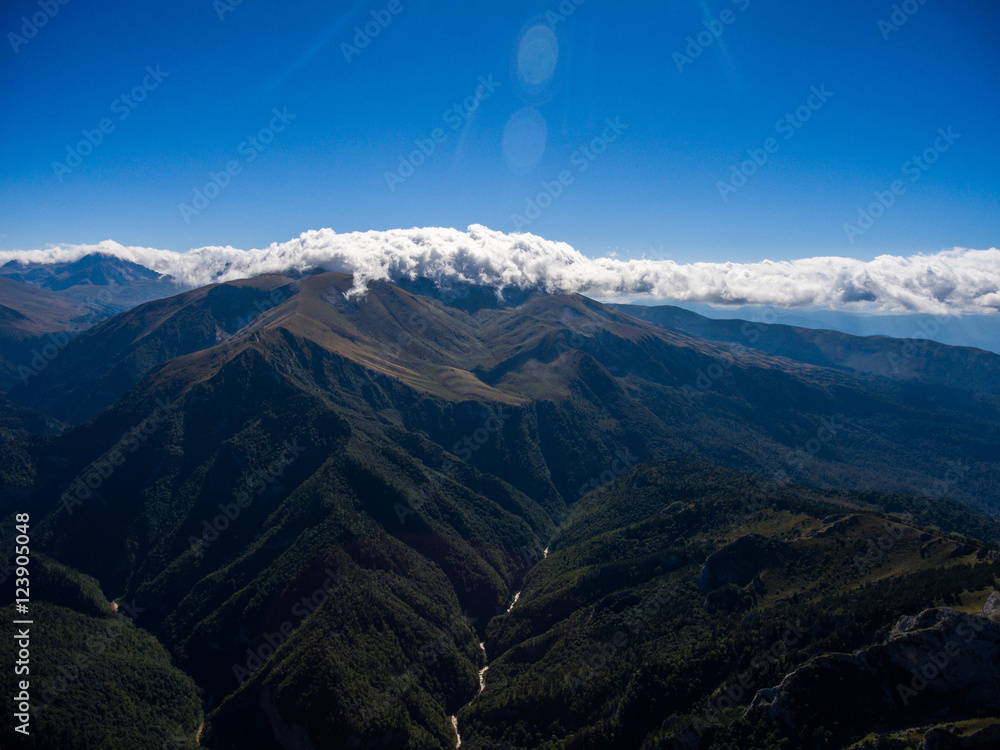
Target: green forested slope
x,y
97,682
674,594
321,516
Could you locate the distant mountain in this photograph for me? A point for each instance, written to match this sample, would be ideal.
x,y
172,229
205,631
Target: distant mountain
x,y
28,319
324,503
913,359
101,282
96,367
27,312
980,331
567,350
42,306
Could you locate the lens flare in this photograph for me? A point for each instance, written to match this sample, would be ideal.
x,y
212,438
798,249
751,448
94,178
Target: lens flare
x,y
525,138
537,57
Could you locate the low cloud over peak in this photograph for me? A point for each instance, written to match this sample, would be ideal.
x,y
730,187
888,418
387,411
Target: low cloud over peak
x,y
951,281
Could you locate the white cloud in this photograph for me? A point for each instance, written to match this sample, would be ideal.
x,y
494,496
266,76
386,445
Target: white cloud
x,y
951,281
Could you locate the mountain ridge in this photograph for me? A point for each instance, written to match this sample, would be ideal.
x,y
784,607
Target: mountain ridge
x,y
247,445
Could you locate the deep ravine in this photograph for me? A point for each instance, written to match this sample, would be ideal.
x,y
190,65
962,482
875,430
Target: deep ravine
x,y
482,676
482,672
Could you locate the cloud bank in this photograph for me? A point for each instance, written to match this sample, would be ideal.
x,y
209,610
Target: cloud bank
x,y
951,281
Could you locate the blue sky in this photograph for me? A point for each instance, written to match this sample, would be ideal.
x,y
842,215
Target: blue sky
x,y
554,82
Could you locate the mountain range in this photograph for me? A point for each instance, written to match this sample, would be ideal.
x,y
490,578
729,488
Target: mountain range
x,y
422,516
979,331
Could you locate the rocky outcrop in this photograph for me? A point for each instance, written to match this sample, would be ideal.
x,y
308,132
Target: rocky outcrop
x,y
991,608
836,524
938,658
941,739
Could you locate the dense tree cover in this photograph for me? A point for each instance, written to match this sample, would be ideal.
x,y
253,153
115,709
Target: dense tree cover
x,y
362,532
96,681
620,640
322,516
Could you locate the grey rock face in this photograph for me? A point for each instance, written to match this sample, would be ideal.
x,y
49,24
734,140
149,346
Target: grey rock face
x,y
941,739
992,608
938,658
